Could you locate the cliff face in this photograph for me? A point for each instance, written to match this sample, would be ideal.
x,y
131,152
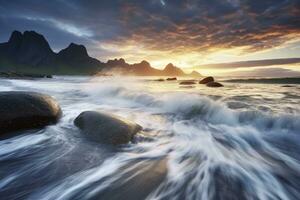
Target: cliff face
x,y
30,52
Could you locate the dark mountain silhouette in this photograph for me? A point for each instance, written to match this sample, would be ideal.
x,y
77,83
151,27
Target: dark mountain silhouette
x,y
76,56
144,69
171,70
194,74
29,52
29,48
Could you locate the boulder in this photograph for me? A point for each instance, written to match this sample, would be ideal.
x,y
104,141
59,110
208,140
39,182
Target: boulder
x,y
187,83
207,80
172,79
214,84
27,110
106,128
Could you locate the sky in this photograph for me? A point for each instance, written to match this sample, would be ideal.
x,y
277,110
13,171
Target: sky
x,y
188,33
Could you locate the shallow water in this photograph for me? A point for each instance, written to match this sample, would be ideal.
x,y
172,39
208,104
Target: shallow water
x,y
237,142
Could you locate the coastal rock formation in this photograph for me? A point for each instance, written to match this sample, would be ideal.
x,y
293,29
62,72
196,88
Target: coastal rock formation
x,y
207,80
171,79
214,84
106,128
187,83
27,110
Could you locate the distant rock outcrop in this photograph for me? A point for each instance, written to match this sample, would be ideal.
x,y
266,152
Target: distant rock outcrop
x,y
191,82
207,80
214,84
172,79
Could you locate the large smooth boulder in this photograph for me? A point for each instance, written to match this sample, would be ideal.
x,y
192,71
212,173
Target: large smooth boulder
x,y
207,80
27,110
214,84
106,128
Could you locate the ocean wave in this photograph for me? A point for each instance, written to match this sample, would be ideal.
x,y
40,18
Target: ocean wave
x,y
199,148
184,105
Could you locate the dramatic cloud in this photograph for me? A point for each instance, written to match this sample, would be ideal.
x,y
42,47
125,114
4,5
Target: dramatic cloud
x,y
267,72
252,63
156,28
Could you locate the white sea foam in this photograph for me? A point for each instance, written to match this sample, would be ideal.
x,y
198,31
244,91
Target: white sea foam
x,y
212,150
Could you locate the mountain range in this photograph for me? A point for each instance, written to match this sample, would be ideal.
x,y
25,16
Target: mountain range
x,y
29,52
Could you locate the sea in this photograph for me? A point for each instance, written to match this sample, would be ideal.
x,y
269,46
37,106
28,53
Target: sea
x,y
240,141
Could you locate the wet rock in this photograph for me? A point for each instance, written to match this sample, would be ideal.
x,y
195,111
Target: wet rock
x,y
106,128
27,110
137,180
214,84
187,83
160,79
187,86
172,79
207,80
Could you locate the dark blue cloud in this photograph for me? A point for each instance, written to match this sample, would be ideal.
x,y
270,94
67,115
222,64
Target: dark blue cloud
x,y
171,25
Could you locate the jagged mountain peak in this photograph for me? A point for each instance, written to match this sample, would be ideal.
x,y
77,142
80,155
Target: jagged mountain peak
x,y
16,36
116,62
170,66
74,50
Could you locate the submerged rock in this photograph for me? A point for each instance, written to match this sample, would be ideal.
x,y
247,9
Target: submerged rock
x,y
106,128
136,180
214,84
187,83
27,110
207,80
172,79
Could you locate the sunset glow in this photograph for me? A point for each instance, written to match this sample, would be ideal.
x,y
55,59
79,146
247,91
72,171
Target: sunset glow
x,y
187,33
